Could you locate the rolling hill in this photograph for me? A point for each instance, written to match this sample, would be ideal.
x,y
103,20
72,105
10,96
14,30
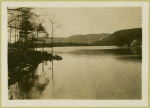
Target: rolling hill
x,y
128,38
121,38
89,38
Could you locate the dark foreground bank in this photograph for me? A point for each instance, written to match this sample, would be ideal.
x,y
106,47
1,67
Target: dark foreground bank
x,y
22,62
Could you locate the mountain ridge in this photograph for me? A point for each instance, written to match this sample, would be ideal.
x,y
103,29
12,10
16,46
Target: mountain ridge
x,y
121,38
88,38
125,37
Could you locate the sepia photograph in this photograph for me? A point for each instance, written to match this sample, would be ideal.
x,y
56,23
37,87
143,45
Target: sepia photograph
x,y
85,51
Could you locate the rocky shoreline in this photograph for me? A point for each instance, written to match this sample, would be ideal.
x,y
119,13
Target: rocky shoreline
x,y
134,43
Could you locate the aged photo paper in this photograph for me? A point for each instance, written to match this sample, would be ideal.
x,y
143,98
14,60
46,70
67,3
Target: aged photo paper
x,y
74,54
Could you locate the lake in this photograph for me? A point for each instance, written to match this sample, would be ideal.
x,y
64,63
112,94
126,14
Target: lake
x,y
95,72
90,73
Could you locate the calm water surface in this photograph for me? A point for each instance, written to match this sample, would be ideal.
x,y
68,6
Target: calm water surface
x,y
95,73
92,72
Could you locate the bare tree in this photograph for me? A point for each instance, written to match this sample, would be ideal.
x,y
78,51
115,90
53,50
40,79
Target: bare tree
x,y
54,24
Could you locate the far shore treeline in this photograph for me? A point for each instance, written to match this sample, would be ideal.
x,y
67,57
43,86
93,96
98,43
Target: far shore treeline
x,y
121,38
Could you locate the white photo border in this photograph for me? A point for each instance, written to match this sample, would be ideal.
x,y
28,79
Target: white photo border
x,y
75,103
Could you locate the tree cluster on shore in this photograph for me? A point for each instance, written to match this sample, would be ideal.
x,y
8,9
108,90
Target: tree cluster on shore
x,y
21,62
24,26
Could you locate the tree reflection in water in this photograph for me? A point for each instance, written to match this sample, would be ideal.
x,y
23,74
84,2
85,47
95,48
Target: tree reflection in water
x,y
32,85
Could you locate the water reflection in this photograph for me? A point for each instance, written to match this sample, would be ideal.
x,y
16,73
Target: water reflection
x,y
86,73
95,73
98,51
32,85
123,54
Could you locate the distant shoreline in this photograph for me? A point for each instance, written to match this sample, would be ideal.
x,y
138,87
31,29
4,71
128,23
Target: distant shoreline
x,y
93,46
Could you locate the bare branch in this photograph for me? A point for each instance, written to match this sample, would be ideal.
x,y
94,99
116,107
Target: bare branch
x,y
58,26
14,19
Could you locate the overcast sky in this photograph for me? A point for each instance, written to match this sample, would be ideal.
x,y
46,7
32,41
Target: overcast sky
x,y
92,20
